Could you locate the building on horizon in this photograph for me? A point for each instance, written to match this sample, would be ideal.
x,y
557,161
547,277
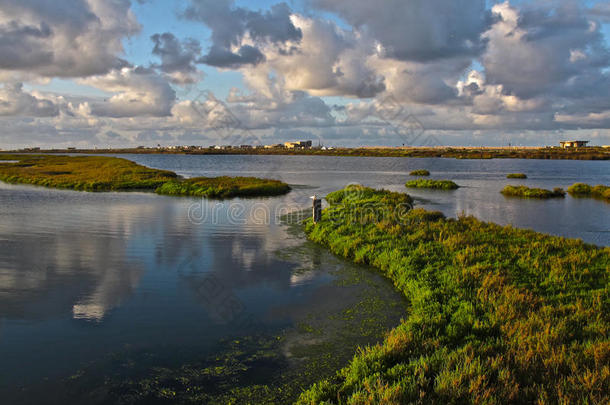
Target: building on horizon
x,y
573,144
298,145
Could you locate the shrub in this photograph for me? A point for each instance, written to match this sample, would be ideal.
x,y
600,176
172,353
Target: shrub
x,y
527,192
516,176
421,172
433,184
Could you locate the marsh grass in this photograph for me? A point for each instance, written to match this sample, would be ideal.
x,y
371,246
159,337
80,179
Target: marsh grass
x,y
100,173
584,190
497,314
516,176
527,192
84,173
432,184
421,172
224,187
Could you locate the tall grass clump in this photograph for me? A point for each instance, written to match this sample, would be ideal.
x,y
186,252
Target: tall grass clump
x,y
527,192
224,187
584,190
496,314
516,176
433,184
421,172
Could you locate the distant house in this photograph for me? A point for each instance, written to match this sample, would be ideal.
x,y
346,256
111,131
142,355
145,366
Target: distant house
x,y
298,145
277,145
573,144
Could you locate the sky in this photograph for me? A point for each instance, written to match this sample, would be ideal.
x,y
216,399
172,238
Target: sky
x,y
121,73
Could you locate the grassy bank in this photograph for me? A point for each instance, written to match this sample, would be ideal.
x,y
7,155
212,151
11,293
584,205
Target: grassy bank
x,y
497,314
433,184
585,190
516,176
421,172
84,173
100,173
527,192
224,187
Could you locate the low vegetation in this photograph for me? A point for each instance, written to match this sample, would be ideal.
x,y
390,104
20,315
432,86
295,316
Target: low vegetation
x,y
224,187
433,184
421,172
516,176
527,192
585,190
84,173
99,173
588,153
497,314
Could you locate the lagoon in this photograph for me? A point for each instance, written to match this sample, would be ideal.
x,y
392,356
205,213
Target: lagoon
x,y
112,285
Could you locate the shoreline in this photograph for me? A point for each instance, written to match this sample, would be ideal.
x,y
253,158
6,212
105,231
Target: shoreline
x,y
543,153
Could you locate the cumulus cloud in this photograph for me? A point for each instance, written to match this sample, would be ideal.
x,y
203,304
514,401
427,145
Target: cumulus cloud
x,y
139,92
232,27
178,58
63,39
417,30
14,101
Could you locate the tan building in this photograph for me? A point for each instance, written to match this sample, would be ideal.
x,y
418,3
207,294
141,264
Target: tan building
x,y
573,144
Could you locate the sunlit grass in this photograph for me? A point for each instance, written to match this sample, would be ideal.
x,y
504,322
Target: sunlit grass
x,y
433,184
421,172
527,192
516,176
224,187
84,173
584,190
497,314
100,173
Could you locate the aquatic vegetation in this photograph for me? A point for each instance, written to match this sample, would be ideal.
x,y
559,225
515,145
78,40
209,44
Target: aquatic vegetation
x,y
84,173
497,314
433,184
516,176
224,187
527,192
99,173
584,190
421,172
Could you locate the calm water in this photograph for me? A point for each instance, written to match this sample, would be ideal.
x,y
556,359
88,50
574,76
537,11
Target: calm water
x,y
85,277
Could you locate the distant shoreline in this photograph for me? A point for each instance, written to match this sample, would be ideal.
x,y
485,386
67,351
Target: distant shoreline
x,y
586,153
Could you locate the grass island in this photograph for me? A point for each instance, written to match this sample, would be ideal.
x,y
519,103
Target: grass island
x,y
432,184
101,173
584,190
516,176
527,192
421,172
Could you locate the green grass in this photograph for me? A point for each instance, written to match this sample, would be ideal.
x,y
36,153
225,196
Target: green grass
x,y
497,314
224,187
585,190
527,192
433,184
96,173
84,173
516,176
421,172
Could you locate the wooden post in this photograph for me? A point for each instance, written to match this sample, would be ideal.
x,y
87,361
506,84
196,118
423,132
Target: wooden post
x,y
317,209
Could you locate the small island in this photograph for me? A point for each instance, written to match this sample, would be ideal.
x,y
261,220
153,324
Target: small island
x,y
100,173
421,172
432,184
516,176
584,190
527,192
